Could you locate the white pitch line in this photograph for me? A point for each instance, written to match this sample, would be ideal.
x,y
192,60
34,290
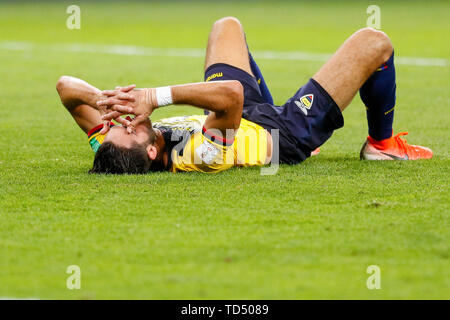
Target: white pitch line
x,y
129,50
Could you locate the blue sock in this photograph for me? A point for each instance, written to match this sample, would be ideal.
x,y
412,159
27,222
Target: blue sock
x,y
259,77
378,94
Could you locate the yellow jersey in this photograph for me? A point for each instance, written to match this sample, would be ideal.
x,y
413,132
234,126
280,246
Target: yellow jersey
x,y
192,148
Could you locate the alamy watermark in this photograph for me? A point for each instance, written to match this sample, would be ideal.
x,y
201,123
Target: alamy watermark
x,y
74,19
74,280
374,280
374,19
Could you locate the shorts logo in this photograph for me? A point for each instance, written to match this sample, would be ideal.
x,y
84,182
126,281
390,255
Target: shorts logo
x,y
305,103
215,75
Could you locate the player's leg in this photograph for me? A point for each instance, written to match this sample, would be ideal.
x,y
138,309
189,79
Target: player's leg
x,y
265,92
353,63
314,112
227,45
365,62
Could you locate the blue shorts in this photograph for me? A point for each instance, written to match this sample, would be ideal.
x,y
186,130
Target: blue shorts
x,y
304,122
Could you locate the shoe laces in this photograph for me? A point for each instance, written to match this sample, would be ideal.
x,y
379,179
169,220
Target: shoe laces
x,y
400,142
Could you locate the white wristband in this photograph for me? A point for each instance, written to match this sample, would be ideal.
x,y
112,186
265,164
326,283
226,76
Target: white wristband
x,y
163,96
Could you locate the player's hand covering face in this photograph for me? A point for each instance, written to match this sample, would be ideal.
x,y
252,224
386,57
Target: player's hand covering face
x,y
122,101
103,109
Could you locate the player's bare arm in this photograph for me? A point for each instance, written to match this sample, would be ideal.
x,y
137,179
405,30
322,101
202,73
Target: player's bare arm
x,y
223,98
80,99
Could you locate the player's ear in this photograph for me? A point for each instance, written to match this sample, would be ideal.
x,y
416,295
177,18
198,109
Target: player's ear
x,y
152,151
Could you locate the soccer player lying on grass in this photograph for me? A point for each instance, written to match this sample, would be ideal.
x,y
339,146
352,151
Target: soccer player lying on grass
x,y
242,116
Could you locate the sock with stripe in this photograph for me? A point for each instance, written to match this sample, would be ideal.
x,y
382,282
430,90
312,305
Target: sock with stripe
x,y
259,77
378,94
261,82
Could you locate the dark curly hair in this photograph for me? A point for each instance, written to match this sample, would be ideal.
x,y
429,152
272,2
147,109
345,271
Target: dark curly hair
x,y
113,159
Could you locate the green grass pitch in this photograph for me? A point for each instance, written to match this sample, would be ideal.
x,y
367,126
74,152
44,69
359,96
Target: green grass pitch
x,y
310,231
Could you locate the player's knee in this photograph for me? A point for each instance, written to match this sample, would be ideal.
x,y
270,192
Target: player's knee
x,y
228,23
378,42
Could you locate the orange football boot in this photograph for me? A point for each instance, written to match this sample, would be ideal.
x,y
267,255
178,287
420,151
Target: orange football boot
x,y
393,148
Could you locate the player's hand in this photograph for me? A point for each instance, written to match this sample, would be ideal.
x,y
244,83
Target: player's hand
x,y
139,102
104,110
